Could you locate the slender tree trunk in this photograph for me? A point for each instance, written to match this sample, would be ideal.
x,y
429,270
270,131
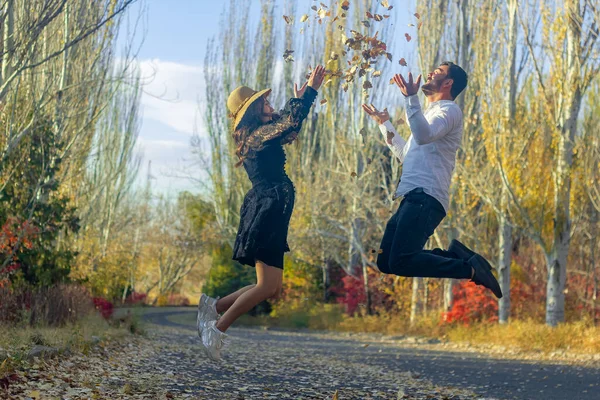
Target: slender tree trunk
x,y
504,261
8,39
414,308
504,227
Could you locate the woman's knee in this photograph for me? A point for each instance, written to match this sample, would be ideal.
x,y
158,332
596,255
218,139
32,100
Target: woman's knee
x,y
268,291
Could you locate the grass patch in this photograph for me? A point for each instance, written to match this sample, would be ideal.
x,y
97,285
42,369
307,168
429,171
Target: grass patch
x,y
77,336
578,337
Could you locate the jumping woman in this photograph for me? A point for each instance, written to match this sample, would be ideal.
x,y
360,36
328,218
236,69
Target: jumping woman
x,y
261,240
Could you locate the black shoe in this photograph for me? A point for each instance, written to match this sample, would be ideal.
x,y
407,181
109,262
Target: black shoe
x,y
460,250
483,275
464,252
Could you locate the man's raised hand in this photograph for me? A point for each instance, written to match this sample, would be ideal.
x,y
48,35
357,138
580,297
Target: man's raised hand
x,y
378,116
407,88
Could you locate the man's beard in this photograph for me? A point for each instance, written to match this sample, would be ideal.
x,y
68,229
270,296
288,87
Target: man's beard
x,y
430,88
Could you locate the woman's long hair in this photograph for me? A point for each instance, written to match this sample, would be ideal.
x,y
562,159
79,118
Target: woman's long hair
x,y
250,121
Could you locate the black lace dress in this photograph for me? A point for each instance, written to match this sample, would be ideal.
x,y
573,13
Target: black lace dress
x,y
267,208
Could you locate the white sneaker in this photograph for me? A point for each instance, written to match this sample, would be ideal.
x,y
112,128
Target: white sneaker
x,y
207,311
213,340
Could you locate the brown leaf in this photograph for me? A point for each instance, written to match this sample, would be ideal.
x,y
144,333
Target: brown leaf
x,y
367,85
366,23
378,17
390,137
419,26
314,8
402,62
287,56
418,15
389,56
369,15
345,5
407,36
324,101
354,174
288,20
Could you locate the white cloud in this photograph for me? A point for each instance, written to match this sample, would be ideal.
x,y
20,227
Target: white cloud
x,y
171,94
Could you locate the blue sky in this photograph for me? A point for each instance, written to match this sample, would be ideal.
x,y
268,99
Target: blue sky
x,y
171,59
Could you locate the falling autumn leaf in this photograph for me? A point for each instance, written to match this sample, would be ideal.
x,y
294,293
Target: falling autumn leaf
x,y
367,85
376,74
389,56
287,56
385,3
390,137
419,26
288,20
324,101
392,81
407,36
314,8
417,15
366,23
304,18
378,17
354,174
345,5
402,62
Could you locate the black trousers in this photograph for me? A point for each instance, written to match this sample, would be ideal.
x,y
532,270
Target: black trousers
x,y
401,251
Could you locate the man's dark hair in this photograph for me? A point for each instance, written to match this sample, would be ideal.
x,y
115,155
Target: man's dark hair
x,y
458,76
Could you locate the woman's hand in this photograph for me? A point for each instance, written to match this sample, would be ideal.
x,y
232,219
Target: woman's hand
x,y
316,78
299,92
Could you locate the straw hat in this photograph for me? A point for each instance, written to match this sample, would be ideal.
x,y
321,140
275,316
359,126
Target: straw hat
x,y
240,100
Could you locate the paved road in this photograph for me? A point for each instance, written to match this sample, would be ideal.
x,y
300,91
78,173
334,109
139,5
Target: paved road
x,y
386,367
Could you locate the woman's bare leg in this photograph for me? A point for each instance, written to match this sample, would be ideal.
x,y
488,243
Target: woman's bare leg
x,y
268,283
227,301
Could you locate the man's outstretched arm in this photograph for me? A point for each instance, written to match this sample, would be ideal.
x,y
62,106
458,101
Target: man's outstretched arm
x,y
393,140
427,131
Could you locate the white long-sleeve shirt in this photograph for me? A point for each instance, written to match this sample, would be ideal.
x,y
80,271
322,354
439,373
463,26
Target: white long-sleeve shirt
x,y
429,155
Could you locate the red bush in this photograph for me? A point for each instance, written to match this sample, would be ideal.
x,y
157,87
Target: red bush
x,y
104,306
13,234
136,298
472,303
352,294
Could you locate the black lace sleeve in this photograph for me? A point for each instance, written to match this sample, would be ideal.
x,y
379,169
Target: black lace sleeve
x,y
285,125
